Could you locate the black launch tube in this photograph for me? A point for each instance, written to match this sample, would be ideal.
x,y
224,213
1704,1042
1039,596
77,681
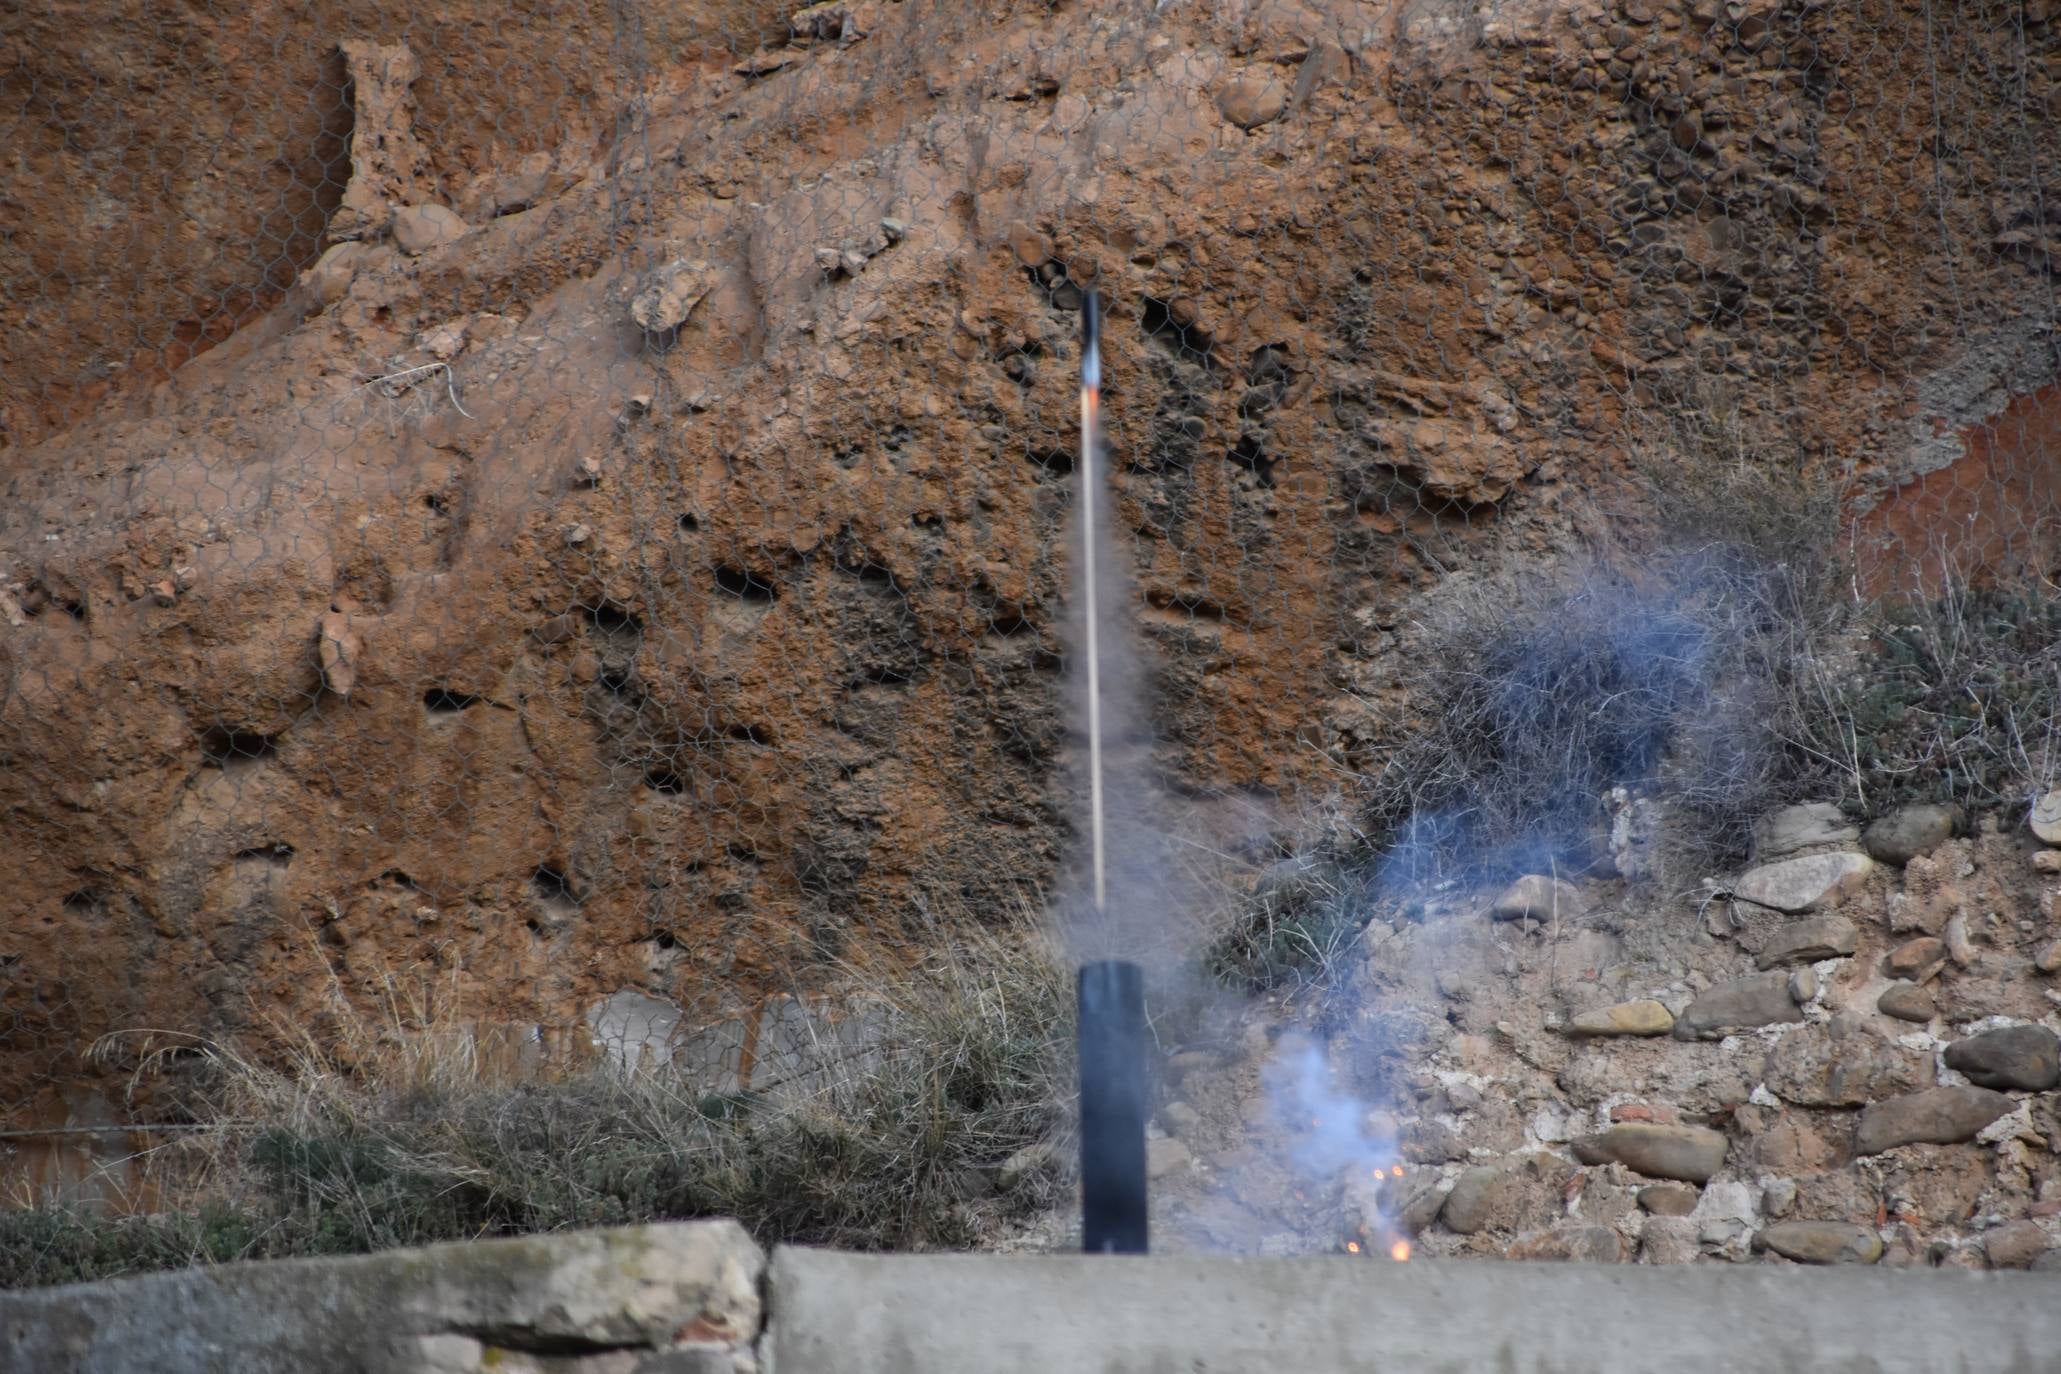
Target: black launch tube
x,y
1111,999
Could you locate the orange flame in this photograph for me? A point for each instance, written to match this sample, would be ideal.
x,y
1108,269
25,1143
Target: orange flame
x,y
1352,1247
1400,1251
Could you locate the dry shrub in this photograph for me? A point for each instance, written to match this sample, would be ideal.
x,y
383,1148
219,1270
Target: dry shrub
x,y
1670,656
903,1146
1954,699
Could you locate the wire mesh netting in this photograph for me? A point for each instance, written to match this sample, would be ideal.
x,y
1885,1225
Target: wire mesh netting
x,y
562,505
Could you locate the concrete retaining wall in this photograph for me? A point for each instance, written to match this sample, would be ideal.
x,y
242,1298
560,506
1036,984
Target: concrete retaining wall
x,y
636,1300
857,1314
686,1299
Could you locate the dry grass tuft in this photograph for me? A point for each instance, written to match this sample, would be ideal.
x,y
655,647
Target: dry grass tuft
x,y
391,1135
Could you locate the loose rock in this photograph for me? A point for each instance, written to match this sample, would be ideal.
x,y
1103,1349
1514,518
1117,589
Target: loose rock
x,y
1421,1206
1819,1067
1643,1017
1792,828
1473,1198
668,294
1250,101
1909,831
1688,1153
2015,1245
339,648
1030,1163
1917,959
1164,1156
2046,818
2048,960
1032,248
419,228
1669,1240
1804,883
765,62
1585,1244
2027,1058
1762,1000
1959,947
1538,897
333,272
444,341
1906,1002
1936,1116
1823,1242
1806,942
1669,1199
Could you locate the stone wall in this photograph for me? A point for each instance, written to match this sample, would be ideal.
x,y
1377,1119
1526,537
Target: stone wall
x,y
1847,1053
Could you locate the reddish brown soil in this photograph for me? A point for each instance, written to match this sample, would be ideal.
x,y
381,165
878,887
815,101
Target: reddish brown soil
x,y
786,679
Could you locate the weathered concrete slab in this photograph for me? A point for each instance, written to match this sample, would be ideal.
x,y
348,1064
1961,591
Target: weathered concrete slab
x,y
634,1300
1028,1314
686,1299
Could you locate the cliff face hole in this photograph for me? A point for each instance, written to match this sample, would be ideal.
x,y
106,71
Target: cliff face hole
x,y
443,701
553,888
1162,322
622,684
616,621
1250,454
665,782
1007,621
37,598
745,586
226,747
1052,462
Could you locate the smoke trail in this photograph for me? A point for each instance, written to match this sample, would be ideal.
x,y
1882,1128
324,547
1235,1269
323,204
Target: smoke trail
x,y
1116,903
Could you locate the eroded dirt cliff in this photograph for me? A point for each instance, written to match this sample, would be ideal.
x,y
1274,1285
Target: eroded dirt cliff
x,y
675,645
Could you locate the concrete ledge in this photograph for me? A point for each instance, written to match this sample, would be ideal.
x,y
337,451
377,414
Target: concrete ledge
x,y
685,1299
857,1314
635,1300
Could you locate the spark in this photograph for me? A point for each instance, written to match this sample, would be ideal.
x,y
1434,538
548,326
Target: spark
x,y
1352,1247
1400,1251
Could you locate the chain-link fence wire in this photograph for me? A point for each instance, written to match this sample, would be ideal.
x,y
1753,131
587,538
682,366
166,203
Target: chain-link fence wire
x,y
560,507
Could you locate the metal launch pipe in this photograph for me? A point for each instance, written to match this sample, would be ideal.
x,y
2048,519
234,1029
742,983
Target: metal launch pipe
x,y
1110,995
